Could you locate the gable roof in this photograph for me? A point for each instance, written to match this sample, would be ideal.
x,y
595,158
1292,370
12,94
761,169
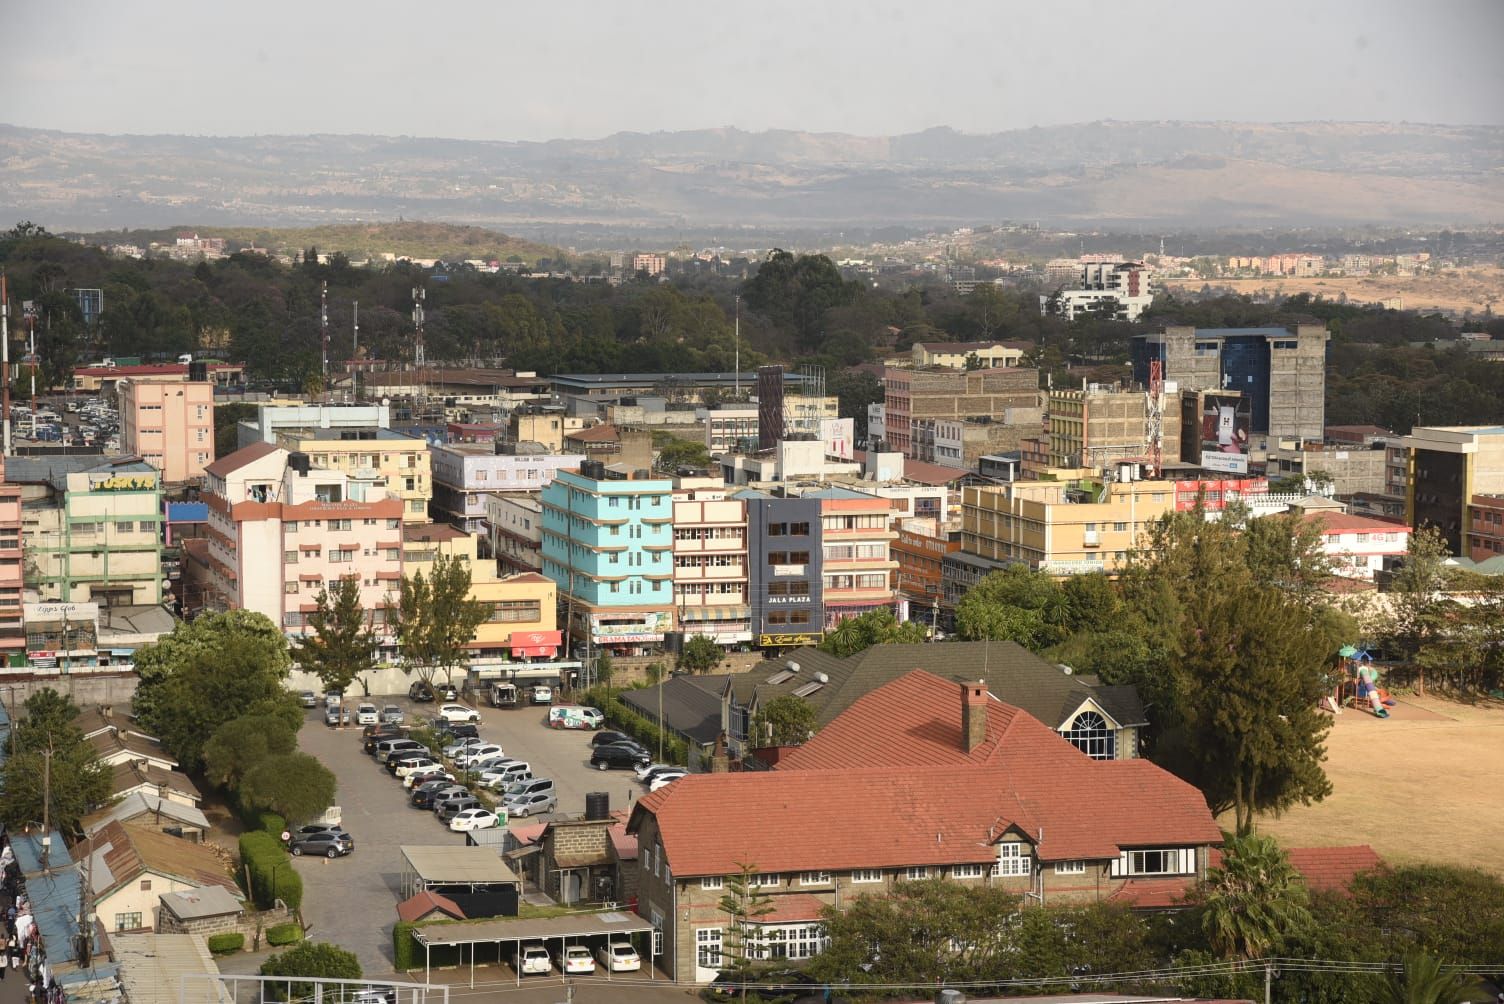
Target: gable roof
x,y
113,742
691,707
426,902
1012,673
1337,522
121,854
1069,806
136,804
235,461
128,776
604,433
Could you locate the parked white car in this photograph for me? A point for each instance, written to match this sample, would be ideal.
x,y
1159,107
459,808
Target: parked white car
x,y
406,767
533,959
543,694
474,754
665,779
647,772
366,714
457,713
619,957
576,959
473,819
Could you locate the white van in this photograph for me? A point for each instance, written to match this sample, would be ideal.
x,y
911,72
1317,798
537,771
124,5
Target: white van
x,y
575,716
503,695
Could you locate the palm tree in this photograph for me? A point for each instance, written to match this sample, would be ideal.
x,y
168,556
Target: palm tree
x,y
1253,899
1420,979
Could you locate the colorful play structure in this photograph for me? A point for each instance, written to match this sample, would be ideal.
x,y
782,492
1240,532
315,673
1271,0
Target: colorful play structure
x,y
1356,684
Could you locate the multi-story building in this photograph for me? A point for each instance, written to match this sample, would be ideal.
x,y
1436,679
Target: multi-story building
x,y
1281,372
465,474
608,545
1094,425
273,419
652,264
856,563
524,606
1351,469
1360,547
711,577
920,550
613,446
1119,290
786,563
1485,527
12,574
281,531
545,426
960,355
514,525
971,790
730,428
388,460
1448,466
962,443
169,425
952,394
91,528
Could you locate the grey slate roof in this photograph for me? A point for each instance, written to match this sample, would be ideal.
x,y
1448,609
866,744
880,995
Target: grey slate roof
x,y
54,470
691,705
1013,674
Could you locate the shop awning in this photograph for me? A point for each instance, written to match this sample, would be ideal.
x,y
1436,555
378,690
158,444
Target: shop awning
x,y
733,612
535,643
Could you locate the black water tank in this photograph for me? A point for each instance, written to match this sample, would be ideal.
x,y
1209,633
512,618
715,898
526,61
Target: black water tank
x,y
299,462
597,805
198,371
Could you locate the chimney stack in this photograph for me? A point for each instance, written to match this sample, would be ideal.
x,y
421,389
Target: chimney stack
x,y
973,714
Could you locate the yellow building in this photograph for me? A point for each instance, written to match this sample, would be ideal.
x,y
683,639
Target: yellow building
x,y
1062,527
524,620
398,463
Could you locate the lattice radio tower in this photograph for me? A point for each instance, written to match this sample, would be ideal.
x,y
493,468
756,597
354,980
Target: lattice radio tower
x,y
1154,415
420,361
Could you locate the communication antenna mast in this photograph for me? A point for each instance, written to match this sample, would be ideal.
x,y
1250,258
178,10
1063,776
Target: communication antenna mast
x,y
420,361
1154,415
355,349
5,352
738,346
324,330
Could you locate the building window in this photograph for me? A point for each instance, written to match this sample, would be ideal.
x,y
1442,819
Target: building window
x,y
966,871
128,921
1165,861
770,880
1090,733
146,885
814,878
1070,867
916,873
787,941
290,587
1013,858
710,883
866,875
290,557
708,948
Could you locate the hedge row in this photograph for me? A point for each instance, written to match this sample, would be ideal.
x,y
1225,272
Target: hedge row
x,y
404,947
262,855
675,750
224,944
283,934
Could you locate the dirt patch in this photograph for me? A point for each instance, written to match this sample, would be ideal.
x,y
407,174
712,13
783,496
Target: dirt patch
x,y
225,826
1476,288
1422,785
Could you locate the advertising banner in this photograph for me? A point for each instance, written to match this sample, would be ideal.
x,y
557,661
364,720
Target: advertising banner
x,y
1225,424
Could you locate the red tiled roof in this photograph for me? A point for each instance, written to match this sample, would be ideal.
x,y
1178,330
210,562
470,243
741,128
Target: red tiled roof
x,y
238,459
425,903
914,721
1336,522
526,577
791,909
1325,869
431,532
595,434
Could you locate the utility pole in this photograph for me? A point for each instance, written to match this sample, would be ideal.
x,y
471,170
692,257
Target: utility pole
x,y
5,354
324,332
355,350
85,922
738,346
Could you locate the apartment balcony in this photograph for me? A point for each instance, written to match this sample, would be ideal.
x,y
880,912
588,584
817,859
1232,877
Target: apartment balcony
x,y
729,545
729,573
858,535
859,564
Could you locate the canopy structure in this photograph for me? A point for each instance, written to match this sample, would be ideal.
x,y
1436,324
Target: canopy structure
x,y
552,932
454,867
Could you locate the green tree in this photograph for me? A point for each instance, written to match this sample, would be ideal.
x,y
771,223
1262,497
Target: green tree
x,y
1253,900
52,775
227,418
682,453
1286,552
700,654
786,720
875,627
1420,979
1016,603
1250,669
316,959
795,292
1419,593
744,905
293,785
1091,602
436,619
242,743
1447,911
929,932
208,671
339,644
1074,941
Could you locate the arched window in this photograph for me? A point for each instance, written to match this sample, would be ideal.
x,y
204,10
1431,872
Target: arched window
x,y
1091,734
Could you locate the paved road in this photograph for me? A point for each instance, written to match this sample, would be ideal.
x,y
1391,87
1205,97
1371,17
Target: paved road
x,y
352,901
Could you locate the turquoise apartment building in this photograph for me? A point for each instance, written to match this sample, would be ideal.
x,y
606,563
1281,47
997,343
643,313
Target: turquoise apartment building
x,y
608,545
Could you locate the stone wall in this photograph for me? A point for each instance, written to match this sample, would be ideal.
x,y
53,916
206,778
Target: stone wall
x,y
86,688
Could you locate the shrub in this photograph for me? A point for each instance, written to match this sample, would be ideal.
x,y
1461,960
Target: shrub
x,y
285,934
224,944
404,947
271,823
313,959
619,716
263,856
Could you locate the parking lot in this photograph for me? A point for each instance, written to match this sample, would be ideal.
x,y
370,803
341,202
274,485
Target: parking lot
x,y
353,900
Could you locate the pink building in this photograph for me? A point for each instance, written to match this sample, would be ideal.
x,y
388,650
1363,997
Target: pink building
x,y
169,425
12,633
281,530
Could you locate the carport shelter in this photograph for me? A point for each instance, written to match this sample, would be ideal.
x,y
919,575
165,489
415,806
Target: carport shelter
x,y
555,933
474,878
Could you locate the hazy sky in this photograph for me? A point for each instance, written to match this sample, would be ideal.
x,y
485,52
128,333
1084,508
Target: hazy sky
x,y
523,69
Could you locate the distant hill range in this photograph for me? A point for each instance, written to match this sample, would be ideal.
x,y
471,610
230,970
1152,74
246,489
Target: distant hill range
x,y
1103,174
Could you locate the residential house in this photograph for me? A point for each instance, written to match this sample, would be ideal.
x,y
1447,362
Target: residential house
x,y
958,355
153,782
1359,547
116,745
131,867
982,794
389,461
466,475
150,812
1103,722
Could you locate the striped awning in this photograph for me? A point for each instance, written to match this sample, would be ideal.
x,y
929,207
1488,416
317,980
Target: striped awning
x,y
735,612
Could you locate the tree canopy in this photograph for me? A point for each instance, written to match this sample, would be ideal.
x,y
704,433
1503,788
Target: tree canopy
x,y
340,644
52,773
875,627
435,619
786,720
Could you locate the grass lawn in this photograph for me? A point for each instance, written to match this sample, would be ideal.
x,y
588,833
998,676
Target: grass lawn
x,y
1426,784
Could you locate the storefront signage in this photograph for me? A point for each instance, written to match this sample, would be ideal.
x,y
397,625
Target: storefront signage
x,y
144,482
788,569
46,612
782,640
626,639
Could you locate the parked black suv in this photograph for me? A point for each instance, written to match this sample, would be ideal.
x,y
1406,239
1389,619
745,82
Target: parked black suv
x,y
602,738
774,986
456,730
420,693
376,733
619,755
427,793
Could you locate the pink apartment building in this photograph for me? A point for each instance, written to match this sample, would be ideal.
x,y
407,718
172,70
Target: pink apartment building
x,y
281,530
12,633
169,425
